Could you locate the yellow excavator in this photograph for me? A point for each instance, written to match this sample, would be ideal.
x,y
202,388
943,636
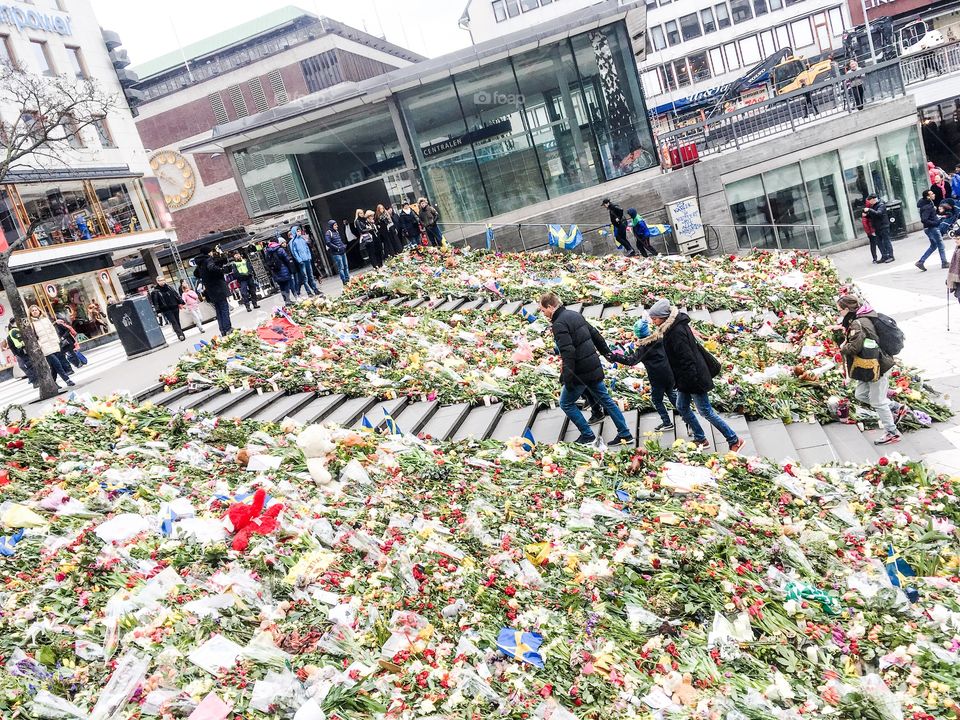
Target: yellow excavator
x,y
795,72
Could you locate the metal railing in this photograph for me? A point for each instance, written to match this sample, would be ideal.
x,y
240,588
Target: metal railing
x,y
775,237
931,65
786,113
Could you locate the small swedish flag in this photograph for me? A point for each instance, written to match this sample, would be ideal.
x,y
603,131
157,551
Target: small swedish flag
x,y
521,645
899,572
527,442
7,544
527,315
366,422
392,427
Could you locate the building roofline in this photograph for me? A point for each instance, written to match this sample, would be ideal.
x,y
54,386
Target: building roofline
x,y
367,92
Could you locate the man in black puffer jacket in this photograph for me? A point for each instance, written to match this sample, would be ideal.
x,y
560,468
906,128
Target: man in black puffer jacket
x,y
691,370
578,343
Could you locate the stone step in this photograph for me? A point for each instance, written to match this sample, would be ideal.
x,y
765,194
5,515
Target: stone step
x,y
576,307
593,312
252,404
414,302
318,408
445,421
451,304
191,401
683,433
572,432
549,425
771,439
349,411
415,415
700,314
394,301
742,428
375,413
511,307
608,430
149,392
611,311
636,311
811,442
169,397
479,423
472,304
222,403
721,317
491,305
850,444
646,422
513,422
284,407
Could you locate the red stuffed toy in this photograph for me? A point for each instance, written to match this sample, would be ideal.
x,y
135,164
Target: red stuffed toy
x,y
246,520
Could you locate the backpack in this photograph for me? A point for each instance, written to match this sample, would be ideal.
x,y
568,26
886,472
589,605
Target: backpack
x,y
889,336
274,263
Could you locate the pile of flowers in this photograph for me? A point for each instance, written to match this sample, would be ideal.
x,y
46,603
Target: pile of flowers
x,y
180,566
782,367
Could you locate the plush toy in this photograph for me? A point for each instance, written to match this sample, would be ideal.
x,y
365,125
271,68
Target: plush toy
x,y
245,520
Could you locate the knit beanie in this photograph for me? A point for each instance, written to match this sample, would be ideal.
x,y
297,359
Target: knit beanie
x,y
660,309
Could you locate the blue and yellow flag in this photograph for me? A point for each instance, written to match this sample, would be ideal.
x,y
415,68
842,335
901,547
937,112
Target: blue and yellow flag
x,y
489,236
527,315
658,230
8,543
365,422
564,239
521,645
392,427
899,572
527,442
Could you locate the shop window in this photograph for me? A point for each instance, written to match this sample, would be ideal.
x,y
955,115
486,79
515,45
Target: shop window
x,y
41,57
751,214
9,225
659,39
690,26
699,67
863,174
680,70
740,10
123,205
759,7
673,33
802,34
750,50
823,179
60,213
730,55
716,61
79,300
723,16
903,161
706,19
789,209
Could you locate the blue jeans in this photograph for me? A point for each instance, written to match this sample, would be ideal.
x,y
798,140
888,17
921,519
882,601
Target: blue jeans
x,y
58,367
657,394
343,269
568,403
435,235
306,278
936,243
222,309
702,401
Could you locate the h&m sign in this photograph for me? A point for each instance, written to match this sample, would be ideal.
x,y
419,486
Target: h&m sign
x,y
23,19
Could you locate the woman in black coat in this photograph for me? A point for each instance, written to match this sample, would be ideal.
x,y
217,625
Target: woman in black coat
x,y
649,351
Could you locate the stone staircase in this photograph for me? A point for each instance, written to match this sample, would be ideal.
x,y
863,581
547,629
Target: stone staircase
x,y
808,443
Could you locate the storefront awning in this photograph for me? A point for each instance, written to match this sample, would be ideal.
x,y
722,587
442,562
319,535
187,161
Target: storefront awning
x,y
38,257
75,173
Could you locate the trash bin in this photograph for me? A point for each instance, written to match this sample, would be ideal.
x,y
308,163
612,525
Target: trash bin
x,y
898,224
137,326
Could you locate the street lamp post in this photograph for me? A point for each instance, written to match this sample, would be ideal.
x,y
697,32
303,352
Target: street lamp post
x,y
866,25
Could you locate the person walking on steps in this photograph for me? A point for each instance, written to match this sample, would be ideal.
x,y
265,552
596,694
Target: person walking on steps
x,y
168,303
279,263
580,345
619,223
875,213
641,233
931,227
338,250
49,344
192,302
693,369
240,269
650,351
211,265
304,259
870,342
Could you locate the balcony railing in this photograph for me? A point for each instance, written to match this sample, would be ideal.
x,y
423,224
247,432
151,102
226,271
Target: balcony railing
x,y
786,113
931,65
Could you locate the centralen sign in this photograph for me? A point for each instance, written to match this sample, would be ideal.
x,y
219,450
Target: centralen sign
x,y
34,20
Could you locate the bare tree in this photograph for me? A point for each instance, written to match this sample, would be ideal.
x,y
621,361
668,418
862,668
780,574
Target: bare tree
x,y
41,121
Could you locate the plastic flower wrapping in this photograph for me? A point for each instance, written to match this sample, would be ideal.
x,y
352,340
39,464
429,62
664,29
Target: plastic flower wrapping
x,y
181,566
779,350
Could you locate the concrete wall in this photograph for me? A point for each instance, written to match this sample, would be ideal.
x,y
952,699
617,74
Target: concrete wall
x,y
651,190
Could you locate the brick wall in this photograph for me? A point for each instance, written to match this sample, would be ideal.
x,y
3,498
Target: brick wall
x,y
294,81
212,168
167,128
197,220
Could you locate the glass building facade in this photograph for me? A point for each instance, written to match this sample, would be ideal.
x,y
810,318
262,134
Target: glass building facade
x,y
817,202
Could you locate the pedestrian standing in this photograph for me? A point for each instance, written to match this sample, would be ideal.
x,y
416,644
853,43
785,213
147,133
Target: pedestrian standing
x,y
387,231
279,264
240,269
931,227
579,345
168,303
641,233
871,236
409,224
211,265
338,250
955,183
619,223
69,347
304,259
396,242
693,370
370,239
867,362
19,349
294,267
429,217
49,344
875,210
941,188
192,302
855,84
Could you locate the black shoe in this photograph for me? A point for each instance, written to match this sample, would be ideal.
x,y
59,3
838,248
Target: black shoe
x,y
890,259
664,426
247,308
256,305
70,383
596,417
919,266
944,265
585,439
621,440
877,262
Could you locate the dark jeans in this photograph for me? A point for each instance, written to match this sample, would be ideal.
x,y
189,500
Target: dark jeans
x,y
375,252
702,401
881,243
568,403
173,317
343,268
936,244
27,367
620,234
644,246
285,289
248,292
657,393
222,309
434,235
57,368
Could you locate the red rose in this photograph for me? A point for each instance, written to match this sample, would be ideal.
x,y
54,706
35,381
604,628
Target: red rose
x,y
883,462
510,590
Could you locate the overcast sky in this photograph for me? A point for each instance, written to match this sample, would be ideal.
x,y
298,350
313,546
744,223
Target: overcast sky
x,y
148,30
